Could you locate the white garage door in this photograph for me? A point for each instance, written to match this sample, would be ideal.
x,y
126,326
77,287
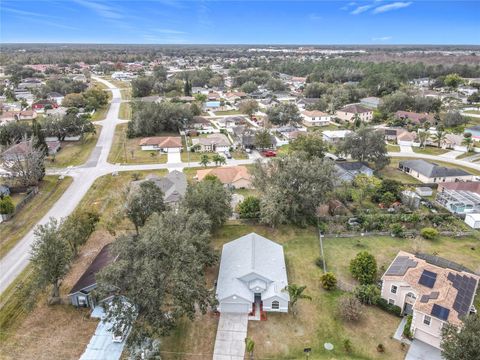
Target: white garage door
x,y
234,308
427,338
173,150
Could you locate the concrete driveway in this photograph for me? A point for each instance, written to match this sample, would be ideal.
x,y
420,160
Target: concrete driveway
x,y
174,158
231,334
421,351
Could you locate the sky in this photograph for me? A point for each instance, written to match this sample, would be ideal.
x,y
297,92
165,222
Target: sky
x,y
240,22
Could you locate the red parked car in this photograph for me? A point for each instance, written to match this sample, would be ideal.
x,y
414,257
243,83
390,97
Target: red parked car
x,y
269,153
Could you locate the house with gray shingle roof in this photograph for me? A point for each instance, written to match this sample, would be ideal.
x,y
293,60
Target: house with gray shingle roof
x,y
252,271
173,185
428,172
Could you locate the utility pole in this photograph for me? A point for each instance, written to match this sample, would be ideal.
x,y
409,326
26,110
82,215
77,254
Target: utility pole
x,y
321,250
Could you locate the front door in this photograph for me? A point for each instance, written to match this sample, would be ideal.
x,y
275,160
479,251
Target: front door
x,y
408,309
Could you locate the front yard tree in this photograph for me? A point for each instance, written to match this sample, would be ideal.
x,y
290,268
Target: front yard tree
x,y
142,202
439,137
219,159
366,144
162,272
248,107
467,141
249,208
249,347
311,144
283,114
50,256
263,139
364,268
462,343
77,228
296,293
350,308
204,160
292,188
212,197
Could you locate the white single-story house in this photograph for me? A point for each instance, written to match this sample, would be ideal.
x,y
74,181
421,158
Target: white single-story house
x,y
428,172
315,118
473,220
168,144
212,142
252,276
334,135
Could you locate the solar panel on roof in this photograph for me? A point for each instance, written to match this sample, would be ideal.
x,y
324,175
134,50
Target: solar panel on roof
x,y
428,279
440,312
465,286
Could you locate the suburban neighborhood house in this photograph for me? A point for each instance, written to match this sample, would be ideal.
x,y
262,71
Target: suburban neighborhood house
x,y
236,177
173,185
315,118
252,276
81,293
212,142
349,113
432,290
166,144
347,170
428,172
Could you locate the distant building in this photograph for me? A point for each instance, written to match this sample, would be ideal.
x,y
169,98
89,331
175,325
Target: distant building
x,y
349,112
347,170
212,142
428,172
237,177
334,135
415,118
162,143
371,102
316,118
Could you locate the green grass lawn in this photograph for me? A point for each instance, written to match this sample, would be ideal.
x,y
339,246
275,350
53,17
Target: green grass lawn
x,y
284,336
126,93
101,113
125,112
50,190
430,150
323,128
393,148
228,112
392,172
127,151
74,152
475,112
464,155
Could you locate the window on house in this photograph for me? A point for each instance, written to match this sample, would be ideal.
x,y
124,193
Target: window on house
x,y
391,301
82,300
275,305
393,289
427,320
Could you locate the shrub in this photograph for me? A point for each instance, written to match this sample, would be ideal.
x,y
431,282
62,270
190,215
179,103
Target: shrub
x,y
397,230
329,281
429,233
249,208
380,348
347,345
367,294
406,330
393,309
364,268
319,262
6,205
350,308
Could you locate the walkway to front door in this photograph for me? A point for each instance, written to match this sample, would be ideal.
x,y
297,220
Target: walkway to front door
x,y
231,334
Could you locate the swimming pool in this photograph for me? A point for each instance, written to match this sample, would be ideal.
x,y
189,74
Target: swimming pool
x,y
212,104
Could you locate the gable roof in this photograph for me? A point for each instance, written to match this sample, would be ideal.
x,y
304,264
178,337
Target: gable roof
x,y
355,109
472,186
314,113
173,185
256,255
443,290
217,139
162,141
432,170
413,116
102,259
226,175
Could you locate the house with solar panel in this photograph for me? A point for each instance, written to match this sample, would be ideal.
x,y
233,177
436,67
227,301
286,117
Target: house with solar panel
x,y
431,289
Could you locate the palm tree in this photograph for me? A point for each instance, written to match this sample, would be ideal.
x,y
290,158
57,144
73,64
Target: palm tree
x,y
204,160
423,136
467,141
439,137
249,346
219,159
296,293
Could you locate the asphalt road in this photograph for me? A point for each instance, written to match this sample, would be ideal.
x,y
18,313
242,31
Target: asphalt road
x,y
12,264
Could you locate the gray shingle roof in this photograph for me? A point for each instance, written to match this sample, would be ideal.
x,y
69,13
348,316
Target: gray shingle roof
x,y
432,170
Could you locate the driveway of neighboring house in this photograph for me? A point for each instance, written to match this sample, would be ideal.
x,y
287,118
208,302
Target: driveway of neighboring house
x,y
406,149
452,154
174,158
231,334
422,351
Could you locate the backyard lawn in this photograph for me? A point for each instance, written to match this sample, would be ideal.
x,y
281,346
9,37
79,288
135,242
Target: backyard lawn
x,y
430,150
127,151
393,148
474,112
392,172
50,190
228,112
75,153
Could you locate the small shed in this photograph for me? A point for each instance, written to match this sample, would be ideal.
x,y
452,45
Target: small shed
x,y
410,199
424,191
473,220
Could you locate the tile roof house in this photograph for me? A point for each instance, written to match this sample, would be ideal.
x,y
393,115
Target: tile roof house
x,y
80,294
212,142
252,276
8,116
415,118
431,289
348,113
237,177
162,143
173,185
16,151
315,118
428,172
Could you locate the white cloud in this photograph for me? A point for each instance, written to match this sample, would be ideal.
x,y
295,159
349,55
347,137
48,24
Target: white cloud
x,y
382,38
360,9
392,6
168,31
103,10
